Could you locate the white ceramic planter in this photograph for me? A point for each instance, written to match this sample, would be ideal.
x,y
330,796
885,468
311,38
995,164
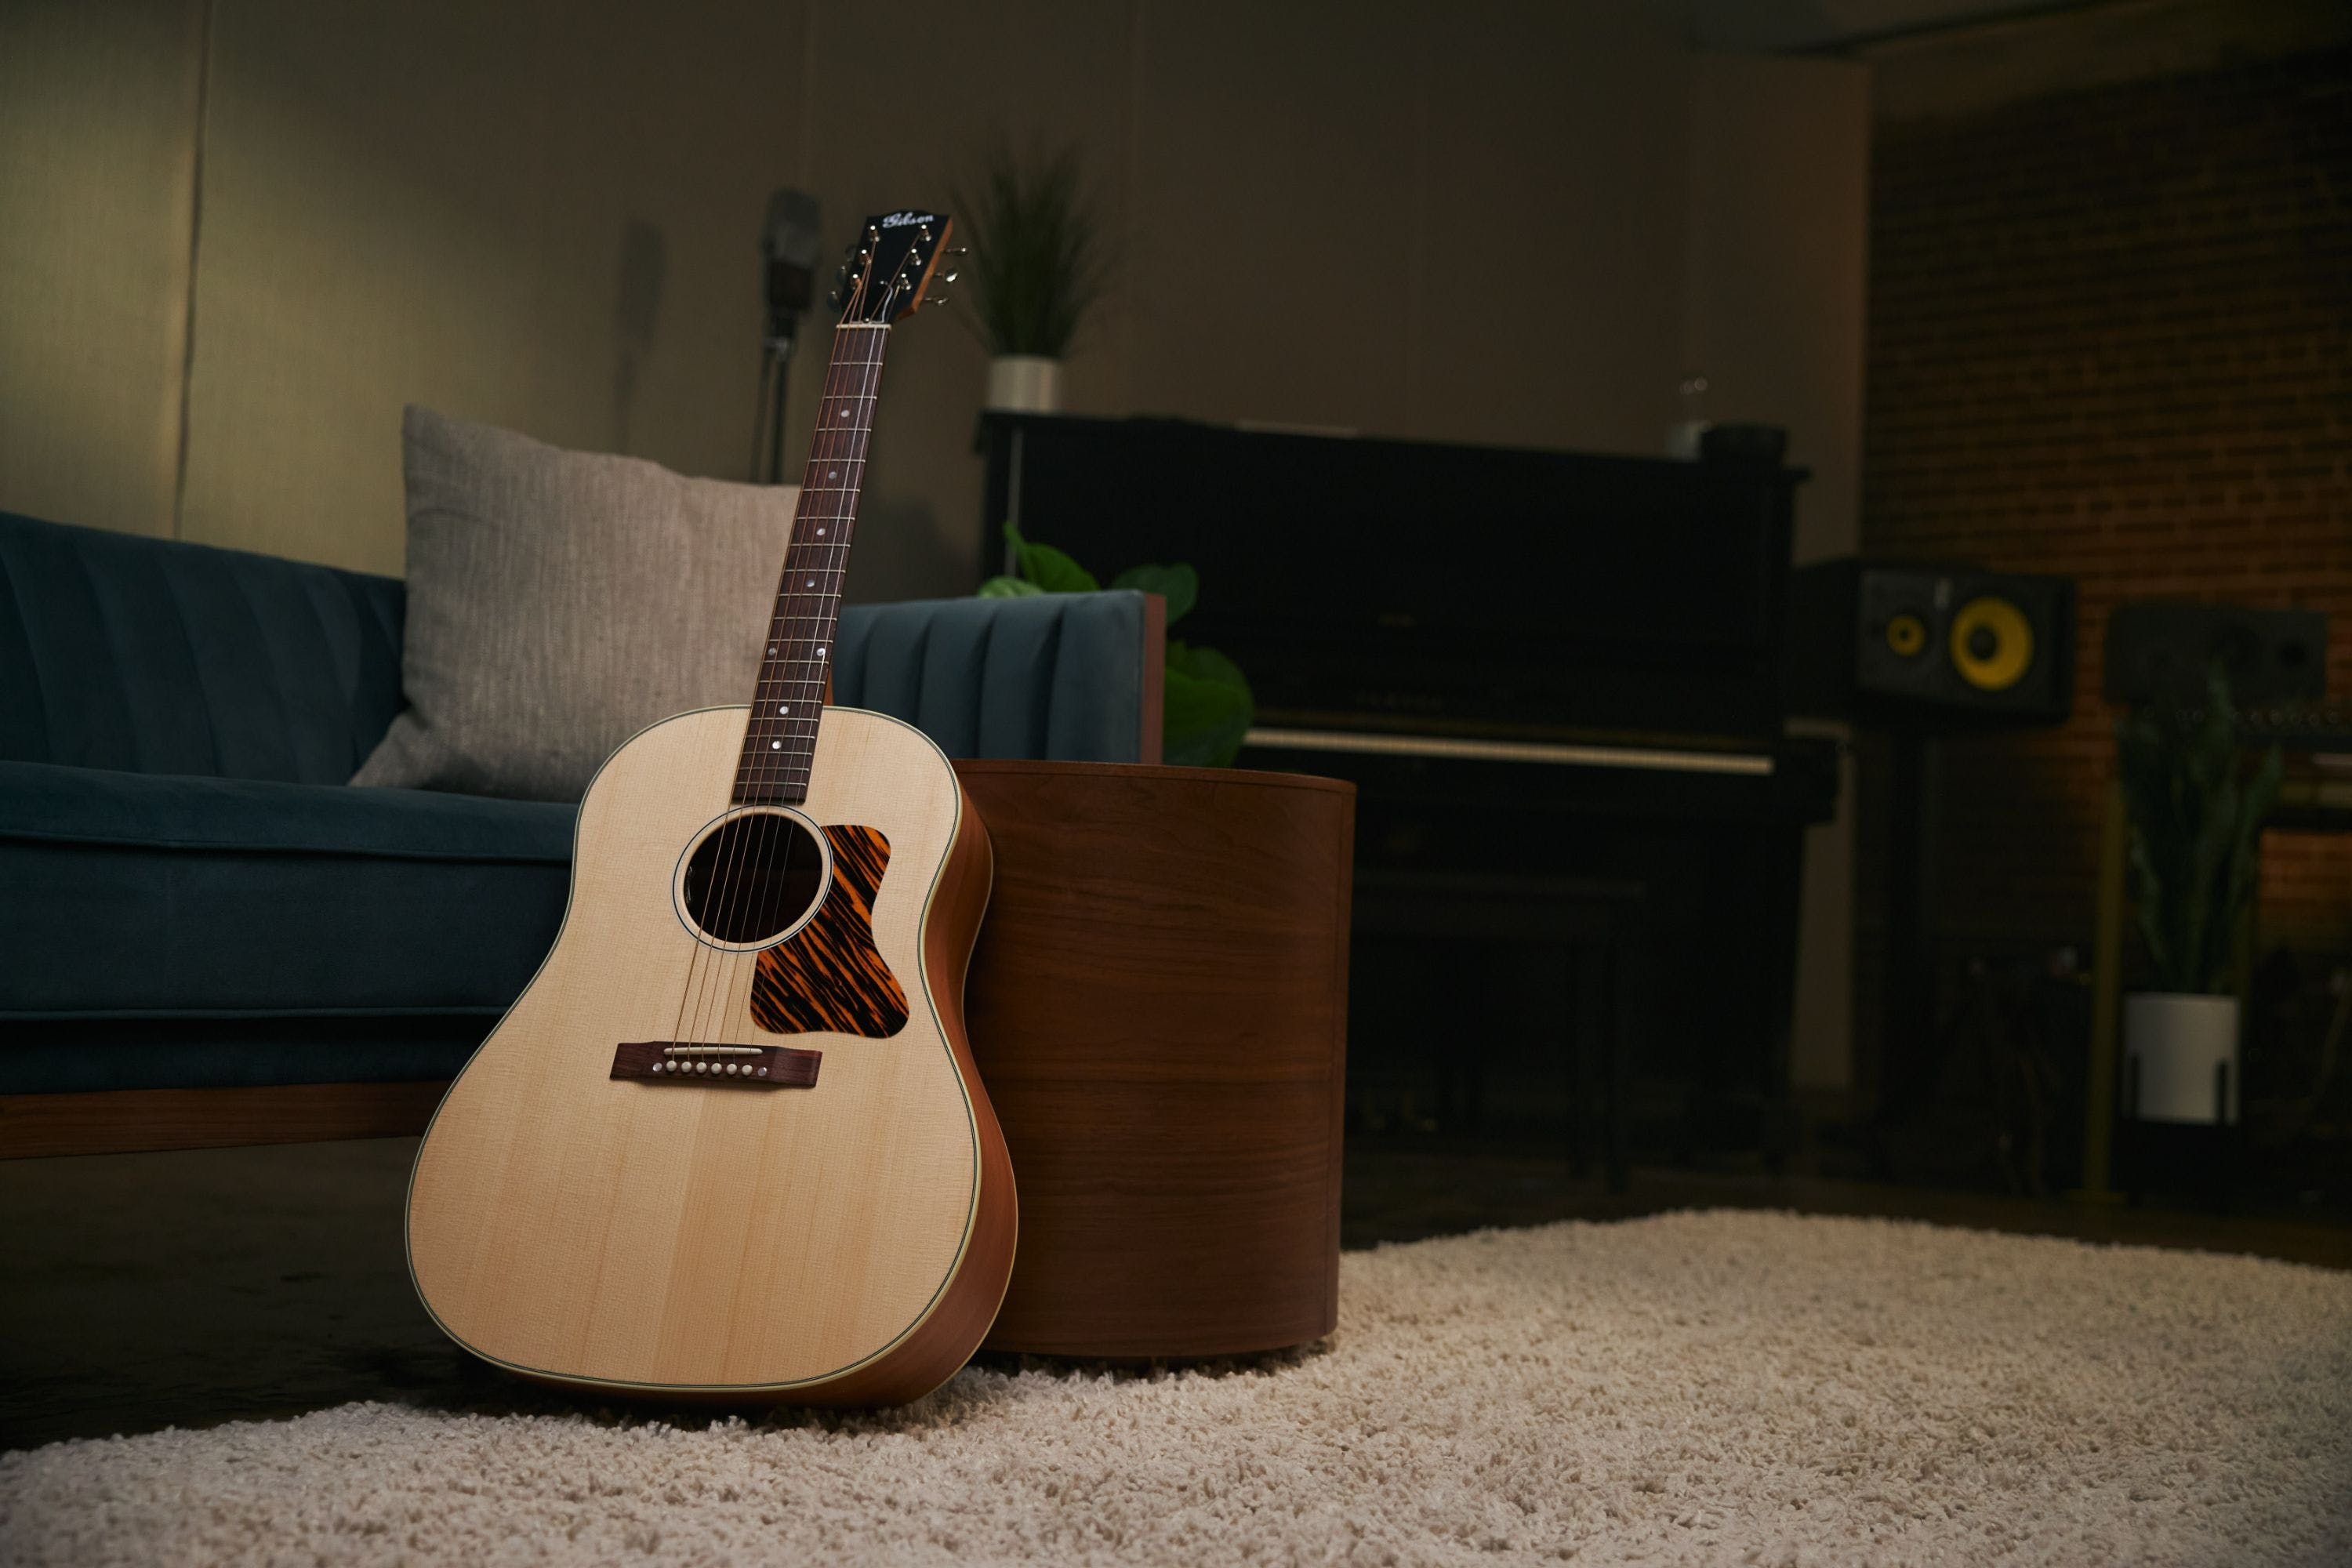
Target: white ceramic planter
x,y
1024,384
2175,1041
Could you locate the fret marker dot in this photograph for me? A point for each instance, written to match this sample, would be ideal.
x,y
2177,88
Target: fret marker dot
x,y
811,583
775,745
780,709
820,533
833,473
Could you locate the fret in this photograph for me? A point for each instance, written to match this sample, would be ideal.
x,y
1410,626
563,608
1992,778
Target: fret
x,y
779,747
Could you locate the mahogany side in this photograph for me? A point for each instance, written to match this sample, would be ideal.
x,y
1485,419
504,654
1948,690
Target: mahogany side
x,y
940,1346
1157,1005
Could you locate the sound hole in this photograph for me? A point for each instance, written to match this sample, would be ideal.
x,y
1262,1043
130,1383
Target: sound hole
x,y
753,878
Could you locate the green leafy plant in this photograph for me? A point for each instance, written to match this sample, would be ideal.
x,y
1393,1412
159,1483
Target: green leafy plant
x,y
1038,261
2196,817
1205,703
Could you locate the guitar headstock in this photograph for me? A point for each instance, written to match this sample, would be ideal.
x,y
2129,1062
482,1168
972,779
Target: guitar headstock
x,y
895,258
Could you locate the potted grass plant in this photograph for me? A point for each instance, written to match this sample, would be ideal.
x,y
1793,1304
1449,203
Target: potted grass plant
x,y
1038,266
2195,813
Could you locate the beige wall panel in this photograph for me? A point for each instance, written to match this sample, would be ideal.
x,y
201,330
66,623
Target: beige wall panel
x,y
545,216
97,143
1553,235
1779,235
1274,171
1776,308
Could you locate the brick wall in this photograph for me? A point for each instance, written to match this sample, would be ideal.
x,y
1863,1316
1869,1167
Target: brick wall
x,y
2109,335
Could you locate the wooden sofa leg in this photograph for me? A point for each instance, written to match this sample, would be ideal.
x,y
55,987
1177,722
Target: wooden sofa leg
x,y
140,1121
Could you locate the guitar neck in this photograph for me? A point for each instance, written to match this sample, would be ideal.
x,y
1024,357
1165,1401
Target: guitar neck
x,y
780,741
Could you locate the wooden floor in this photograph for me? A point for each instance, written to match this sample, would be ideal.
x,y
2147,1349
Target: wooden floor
x,y
1402,1191
143,1290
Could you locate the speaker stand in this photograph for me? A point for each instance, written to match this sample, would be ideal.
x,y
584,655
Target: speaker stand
x,y
1910,1049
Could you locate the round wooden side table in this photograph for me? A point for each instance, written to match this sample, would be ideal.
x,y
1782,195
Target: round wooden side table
x,y
1157,1005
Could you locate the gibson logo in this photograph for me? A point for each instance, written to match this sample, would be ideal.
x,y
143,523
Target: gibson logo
x,y
900,220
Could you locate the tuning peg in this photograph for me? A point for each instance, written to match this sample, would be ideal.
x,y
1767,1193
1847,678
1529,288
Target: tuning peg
x,y
947,277
959,250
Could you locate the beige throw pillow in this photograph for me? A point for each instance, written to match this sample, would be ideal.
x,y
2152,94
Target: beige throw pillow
x,y
558,602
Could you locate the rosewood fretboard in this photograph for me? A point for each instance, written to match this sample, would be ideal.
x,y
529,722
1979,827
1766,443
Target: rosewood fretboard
x,y
781,739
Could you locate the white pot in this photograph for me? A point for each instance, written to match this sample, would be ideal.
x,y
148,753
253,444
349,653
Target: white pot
x,y
2172,1045
1024,384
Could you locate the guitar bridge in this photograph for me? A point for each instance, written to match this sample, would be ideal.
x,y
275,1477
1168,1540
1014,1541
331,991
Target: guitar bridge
x,y
695,1061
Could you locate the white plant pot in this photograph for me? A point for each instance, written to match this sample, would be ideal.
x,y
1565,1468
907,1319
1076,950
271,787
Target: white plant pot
x,y
2172,1045
1024,384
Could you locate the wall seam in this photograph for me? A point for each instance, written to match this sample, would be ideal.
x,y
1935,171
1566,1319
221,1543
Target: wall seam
x,y
1417,258
195,240
1132,208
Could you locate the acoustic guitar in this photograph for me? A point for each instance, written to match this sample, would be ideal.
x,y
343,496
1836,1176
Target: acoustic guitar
x,y
730,1143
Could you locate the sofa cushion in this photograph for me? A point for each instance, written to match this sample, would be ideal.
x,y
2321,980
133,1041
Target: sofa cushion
x,y
118,651
1066,677
134,895
558,602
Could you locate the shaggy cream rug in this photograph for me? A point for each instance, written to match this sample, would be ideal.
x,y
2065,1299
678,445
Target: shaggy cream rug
x,y
1696,1388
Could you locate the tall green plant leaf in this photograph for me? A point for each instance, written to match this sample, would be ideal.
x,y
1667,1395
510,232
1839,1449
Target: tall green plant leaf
x,y
1207,708
1050,569
1178,584
2196,823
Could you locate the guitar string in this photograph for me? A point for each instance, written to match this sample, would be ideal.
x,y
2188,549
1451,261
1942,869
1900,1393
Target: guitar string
x,y
753,843
756,843
703,967
751,840
810,605
807,607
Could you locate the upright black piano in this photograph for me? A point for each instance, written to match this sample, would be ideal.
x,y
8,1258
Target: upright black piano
x,y
1555,678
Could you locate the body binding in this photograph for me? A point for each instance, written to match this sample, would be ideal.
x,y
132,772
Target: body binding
x,y
842,1243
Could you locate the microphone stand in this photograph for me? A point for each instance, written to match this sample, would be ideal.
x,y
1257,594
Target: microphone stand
x,y
775,380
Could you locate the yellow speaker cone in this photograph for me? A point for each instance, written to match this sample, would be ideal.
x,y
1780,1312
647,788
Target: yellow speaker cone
x,y
1992,644
1906,635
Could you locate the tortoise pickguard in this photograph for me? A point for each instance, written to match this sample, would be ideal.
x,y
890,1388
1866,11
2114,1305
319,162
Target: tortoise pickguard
x,y
829,977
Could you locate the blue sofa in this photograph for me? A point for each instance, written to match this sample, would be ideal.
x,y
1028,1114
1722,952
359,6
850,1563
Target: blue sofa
x,y
194,901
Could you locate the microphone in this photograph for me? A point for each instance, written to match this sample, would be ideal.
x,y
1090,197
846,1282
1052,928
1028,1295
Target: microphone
x,y
789,247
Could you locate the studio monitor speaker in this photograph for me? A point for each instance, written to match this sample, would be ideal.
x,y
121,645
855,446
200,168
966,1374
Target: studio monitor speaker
x,y
2160,653
1931,647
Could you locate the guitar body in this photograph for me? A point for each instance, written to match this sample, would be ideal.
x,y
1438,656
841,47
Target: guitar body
x,y
678,1230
